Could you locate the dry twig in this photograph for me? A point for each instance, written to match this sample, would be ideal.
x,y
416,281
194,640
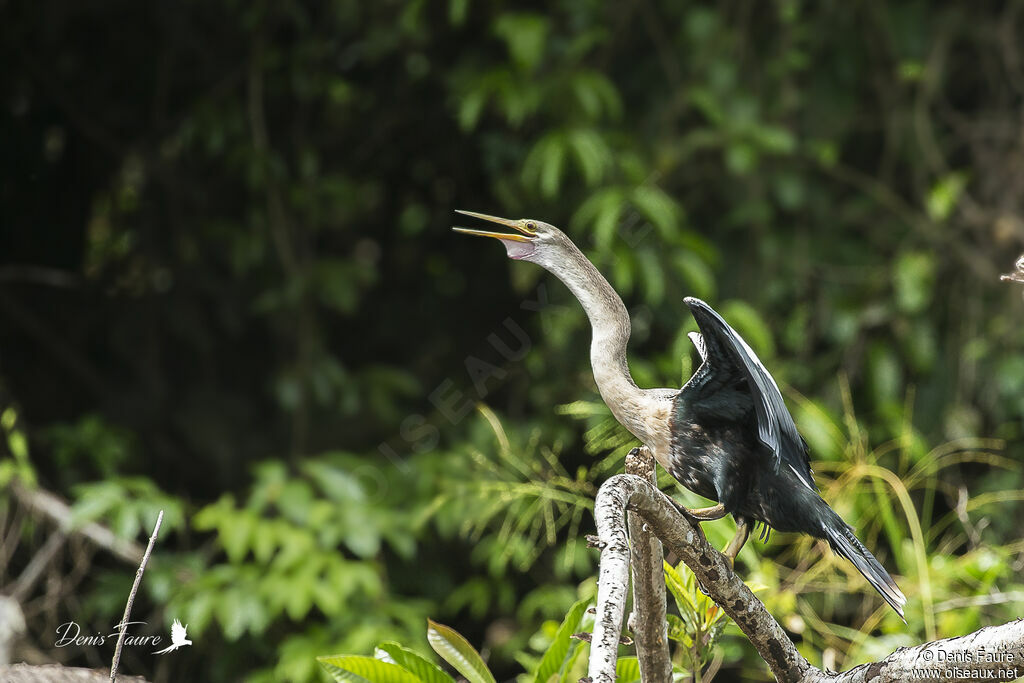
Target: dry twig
x,y
123,627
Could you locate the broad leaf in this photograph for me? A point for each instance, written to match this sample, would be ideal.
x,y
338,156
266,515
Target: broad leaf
x,y
426,670
355,669
554,658
457,651
677,630
627,670
677,586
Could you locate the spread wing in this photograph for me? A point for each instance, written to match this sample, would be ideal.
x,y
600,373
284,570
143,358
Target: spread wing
x,y
177,632
721,345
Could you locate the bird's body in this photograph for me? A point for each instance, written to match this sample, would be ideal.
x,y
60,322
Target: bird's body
x,y
725,435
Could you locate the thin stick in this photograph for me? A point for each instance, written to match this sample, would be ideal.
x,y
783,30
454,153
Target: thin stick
x,y
131,598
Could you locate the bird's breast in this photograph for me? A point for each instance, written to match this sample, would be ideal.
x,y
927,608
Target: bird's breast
x,y
694,457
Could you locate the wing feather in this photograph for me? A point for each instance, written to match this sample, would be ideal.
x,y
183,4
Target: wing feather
x,y
775,426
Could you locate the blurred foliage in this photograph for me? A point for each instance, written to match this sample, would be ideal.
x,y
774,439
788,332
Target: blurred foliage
x,y
227,290
561,662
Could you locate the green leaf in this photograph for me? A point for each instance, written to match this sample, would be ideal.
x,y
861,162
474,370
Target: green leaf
x,y
706,102
457,10
885,373
749,323
591,153
457,651
593,89
554,658
627,670
741,158
775,139
470,107
678,631
944,195
601,210
355,669
651,275
18,445
679,591
545,164
914,280
820,429
696,273
525,36
663,211
570,663
426,670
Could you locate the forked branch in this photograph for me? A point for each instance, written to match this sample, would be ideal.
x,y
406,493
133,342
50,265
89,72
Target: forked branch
x,y
624,492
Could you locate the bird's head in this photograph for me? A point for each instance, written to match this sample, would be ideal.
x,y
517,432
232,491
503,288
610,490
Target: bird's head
x,y
532,240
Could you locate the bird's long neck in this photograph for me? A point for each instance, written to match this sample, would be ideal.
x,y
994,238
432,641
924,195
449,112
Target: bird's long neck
x,y
609,322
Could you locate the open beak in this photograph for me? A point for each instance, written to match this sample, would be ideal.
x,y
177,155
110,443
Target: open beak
x,y
521,234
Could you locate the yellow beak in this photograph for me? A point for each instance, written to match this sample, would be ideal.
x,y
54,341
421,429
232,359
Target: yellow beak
x,y
524,236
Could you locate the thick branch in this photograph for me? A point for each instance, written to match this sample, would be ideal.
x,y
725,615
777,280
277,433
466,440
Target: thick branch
x,y
47,505
992,651
650,629
612,580
708,565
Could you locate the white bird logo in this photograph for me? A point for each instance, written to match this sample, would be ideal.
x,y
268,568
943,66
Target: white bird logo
x,y
178,638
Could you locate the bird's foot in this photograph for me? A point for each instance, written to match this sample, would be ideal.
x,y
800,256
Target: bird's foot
x,y
708,514
736,544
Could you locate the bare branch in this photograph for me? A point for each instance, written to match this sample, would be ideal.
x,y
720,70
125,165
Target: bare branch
x,y
990,653
708,565
123,626
55,673
993,652
648,618
47,505
42,559
612,578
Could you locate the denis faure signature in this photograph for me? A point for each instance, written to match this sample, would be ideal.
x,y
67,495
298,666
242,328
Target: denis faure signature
x,y
70,633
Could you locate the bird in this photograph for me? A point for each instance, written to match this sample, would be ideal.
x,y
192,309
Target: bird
x,y
178,638
725,435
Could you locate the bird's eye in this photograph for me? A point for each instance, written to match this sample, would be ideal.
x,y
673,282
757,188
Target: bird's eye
x,y
530,225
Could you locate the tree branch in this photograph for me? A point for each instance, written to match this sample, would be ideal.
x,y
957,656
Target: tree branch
x,y
992,652
123,626
46,504
612,578
650,629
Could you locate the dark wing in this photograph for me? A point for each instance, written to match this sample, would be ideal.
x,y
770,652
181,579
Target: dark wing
x,y
775,426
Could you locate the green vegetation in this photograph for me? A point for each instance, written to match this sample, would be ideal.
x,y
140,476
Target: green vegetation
x,y
228,290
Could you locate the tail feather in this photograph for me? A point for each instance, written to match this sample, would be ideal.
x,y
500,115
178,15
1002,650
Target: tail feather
x,y
844,543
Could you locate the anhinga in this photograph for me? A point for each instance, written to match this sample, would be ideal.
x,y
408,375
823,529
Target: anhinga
x,y
726,435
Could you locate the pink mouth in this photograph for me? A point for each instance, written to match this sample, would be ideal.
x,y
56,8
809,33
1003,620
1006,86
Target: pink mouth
x,y
517,249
